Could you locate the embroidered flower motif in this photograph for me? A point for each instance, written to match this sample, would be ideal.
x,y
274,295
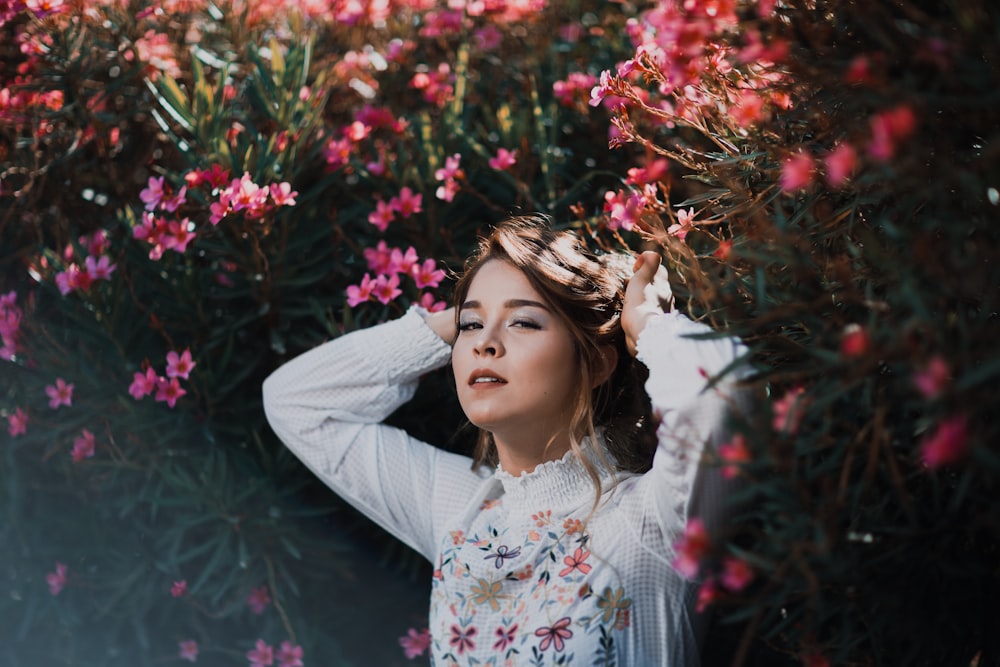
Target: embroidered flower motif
x,y
484,592
505,637
542,518
611,601
572,526
462,639
503,553
556,634
575,562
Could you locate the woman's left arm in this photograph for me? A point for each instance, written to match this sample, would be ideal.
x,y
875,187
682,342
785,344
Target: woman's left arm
x,y
682,356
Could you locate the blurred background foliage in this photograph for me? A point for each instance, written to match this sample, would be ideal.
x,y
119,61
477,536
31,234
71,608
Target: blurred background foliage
x,y
864,279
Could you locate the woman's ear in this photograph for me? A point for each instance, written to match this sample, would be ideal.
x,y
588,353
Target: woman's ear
x,y
607,361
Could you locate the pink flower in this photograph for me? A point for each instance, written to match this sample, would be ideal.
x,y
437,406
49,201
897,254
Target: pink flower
x,y
179,365
17,423
358,294
247,195
379,258
143,384
178,234
427,301
262,655
83,446
258,599
451,169
797,172
400,262
382,215
556,635
387,288
601,90
407,203
59,394
179,588
153,193
289,655
99,269
576,562
708,592
947,444
933,378
462,639
840,163
427,274
788,411
733,454
654,172
504,159
188,650
56,580
505,637
736,574
174,202
414,643
168,391
282,194
448,190
691,548
888,129
685,219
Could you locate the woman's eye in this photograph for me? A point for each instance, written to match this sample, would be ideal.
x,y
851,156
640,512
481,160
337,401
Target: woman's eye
x,y
468,326
526,324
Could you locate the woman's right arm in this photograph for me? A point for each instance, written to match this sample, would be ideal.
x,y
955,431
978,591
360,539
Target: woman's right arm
x,y
327,406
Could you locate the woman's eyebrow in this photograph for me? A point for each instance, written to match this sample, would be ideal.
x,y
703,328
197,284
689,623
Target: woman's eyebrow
x,y
510,303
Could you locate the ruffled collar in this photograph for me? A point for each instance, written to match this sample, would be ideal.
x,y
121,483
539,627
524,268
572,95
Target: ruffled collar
x,y
558,484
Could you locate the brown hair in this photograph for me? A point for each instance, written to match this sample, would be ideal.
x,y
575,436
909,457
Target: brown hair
x,y
586,291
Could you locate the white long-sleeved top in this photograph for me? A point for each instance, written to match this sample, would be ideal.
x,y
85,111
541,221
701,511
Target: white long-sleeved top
x,y
524,574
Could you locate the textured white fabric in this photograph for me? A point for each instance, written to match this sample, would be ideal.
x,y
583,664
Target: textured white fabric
x,y
524,573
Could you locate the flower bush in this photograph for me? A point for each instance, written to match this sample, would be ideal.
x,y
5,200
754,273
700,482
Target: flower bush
x,y
193,192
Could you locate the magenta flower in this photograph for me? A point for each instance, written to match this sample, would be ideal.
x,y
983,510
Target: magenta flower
x,y
933,378
707,594
143,384
59,394
555,635
379,258
947,444
505,637
179,365
289,655
174,202
407,203
56,580
451,169
400,262
654,172
601,90
99,269
179,588
282,194
358,294
448,190
504,159
427,274
427,301
681,228
797,172
258,599
788,411
840,163
17,423
734,454
382,215
262,655
415,643
386,288
168,391
736,574
83,446
153,193
854,341
188,650
691,548
177,235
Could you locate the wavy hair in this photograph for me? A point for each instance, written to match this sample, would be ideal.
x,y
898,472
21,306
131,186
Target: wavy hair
x,y
586,291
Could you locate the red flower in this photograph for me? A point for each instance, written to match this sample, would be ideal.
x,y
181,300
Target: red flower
x,y
261,655
576,562
855,341
59,394
505,637
733,454
947,444
258,599
691,548
797,172
736,574
179,588
462,639
557,634
83,446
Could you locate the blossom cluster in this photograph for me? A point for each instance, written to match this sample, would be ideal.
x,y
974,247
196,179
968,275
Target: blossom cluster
x,y
10,325
388,264
96,266
264,655
691,553
167,389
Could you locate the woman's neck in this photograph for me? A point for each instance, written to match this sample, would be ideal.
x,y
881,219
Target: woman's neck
x,y
525,456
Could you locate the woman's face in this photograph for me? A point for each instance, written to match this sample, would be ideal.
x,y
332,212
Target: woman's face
x,y
514,363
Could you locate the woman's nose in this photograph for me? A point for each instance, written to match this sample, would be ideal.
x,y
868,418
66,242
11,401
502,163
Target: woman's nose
x,y
488,343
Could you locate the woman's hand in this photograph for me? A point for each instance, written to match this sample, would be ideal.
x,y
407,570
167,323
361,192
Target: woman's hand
x,y
647,294
443,324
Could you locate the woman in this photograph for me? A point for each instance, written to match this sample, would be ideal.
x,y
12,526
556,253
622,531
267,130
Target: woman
x,y
558,550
